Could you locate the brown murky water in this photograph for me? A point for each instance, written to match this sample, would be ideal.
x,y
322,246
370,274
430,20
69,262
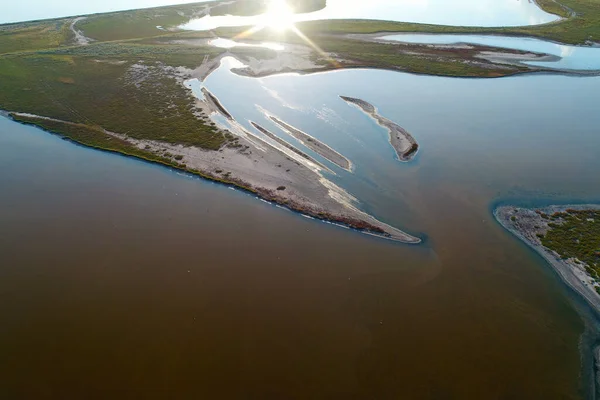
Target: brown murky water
x,y
119,279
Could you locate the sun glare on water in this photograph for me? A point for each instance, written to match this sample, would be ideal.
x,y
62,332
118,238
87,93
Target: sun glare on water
x,y
279,15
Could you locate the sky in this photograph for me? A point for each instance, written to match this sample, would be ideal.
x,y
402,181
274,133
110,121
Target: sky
x,y
26,10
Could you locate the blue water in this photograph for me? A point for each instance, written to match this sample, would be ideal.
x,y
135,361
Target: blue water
x,y
530,134
441,12
571,57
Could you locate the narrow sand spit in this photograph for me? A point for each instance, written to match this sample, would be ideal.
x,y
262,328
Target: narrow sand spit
x,y
404,143
526,224
215,103
287,145
315,145
274,174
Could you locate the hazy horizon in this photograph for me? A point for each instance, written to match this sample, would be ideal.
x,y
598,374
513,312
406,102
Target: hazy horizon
x,y
29,10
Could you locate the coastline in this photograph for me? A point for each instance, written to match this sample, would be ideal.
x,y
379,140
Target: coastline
x,y
528,224
587,299
254,166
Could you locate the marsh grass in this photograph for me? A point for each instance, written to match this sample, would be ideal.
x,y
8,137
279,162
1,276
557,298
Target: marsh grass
x,y
576,234
103,91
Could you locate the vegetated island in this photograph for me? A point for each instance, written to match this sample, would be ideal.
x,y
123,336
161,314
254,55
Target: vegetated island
x,y
568,237
404,143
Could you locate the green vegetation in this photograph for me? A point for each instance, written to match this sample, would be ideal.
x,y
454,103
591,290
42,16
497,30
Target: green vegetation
x,y
576,234
461,62
137,23
34,35
431,61
93,137
124,88
96,137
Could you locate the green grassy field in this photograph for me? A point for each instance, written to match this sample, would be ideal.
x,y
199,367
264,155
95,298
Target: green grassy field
x,y
34,35
104,90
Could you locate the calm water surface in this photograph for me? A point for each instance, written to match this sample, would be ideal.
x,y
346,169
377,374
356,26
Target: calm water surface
x,y
442,12
527,126
571,57
122,279
118,274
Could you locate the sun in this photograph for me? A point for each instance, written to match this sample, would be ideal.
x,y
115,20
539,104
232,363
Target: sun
x,y
279,15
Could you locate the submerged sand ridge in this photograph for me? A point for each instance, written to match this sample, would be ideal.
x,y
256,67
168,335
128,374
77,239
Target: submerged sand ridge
x,y
276,138
404,143
315,145
272,167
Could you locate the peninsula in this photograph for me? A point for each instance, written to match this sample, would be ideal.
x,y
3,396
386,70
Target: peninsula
x,y
568,237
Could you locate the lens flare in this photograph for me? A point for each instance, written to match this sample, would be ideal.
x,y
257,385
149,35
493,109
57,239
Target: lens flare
x,y
279,16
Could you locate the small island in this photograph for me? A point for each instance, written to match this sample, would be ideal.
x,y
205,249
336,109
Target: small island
x,y
568,237
404,143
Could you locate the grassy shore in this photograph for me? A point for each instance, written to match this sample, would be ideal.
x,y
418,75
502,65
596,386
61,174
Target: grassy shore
x,y
575,234
568,237
580,23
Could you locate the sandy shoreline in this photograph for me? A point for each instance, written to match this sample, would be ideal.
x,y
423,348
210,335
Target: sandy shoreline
x,y
404,143
526,224
272,173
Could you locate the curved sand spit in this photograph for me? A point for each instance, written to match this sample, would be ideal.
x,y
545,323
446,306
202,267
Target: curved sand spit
x,y
404,143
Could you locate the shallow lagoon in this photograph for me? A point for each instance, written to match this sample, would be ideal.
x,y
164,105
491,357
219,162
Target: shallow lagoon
x,y
441,12
525,125
570,57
